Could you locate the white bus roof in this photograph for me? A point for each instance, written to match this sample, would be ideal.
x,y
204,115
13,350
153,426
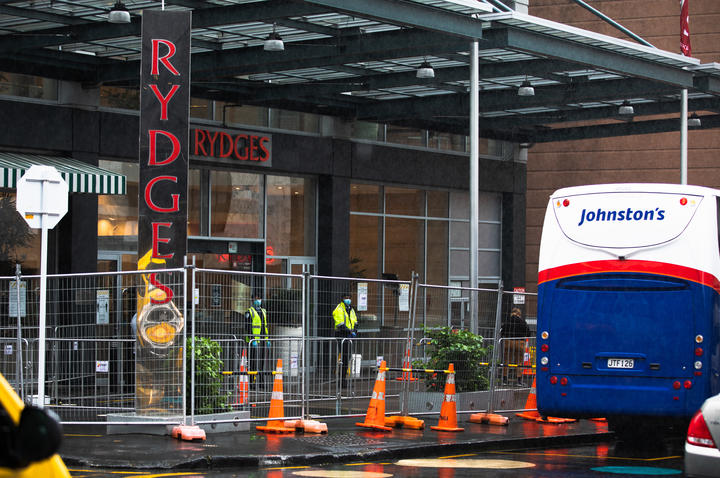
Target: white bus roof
x,y
636,187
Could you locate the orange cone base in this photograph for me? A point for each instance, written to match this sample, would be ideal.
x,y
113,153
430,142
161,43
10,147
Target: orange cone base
x,y
307,426
376,427
530,415
402,421
555,420
447,429
275,429
490,419
188,432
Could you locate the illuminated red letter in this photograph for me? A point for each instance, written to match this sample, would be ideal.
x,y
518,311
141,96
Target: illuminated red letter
x,y
168,291
156,239
164,100
148,192
164,59
152,161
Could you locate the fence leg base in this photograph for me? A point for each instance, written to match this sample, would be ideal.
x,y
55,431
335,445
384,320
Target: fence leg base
x,y
188,432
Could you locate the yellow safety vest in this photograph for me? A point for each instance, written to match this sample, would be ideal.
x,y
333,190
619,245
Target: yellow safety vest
x,y
341,316
259,324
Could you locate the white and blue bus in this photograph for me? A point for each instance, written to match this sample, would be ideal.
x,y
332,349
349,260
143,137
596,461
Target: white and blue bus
x,y
629,303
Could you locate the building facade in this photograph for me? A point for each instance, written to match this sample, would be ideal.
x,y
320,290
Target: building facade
x,y
275,191
642,158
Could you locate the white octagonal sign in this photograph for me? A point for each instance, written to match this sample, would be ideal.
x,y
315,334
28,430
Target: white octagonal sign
x,y
42,193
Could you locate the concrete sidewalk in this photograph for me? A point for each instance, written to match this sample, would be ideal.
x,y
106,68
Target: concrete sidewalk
x,y
345,442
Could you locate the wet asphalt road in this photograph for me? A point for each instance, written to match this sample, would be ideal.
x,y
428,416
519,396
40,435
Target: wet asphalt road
x,y
605,460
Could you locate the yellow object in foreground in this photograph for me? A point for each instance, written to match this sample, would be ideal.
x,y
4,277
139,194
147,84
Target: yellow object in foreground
x,y
52,467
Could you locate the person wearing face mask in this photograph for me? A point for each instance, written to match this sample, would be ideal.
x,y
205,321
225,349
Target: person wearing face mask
x,y
345,323
256,337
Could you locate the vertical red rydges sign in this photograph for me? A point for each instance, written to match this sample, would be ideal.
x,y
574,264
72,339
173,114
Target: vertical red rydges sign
x,y
164,141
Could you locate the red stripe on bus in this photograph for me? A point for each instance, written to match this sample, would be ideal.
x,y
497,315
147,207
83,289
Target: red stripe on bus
x,y
644,267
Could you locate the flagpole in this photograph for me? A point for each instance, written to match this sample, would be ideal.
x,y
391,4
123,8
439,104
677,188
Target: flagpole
x,y
683,136
686,50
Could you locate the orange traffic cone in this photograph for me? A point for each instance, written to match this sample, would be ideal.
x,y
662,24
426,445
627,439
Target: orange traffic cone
x,y
533,414
277,409
244,385
530,405
448,410
375,417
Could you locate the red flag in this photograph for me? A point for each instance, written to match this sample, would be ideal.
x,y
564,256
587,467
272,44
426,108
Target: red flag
x,y
685,28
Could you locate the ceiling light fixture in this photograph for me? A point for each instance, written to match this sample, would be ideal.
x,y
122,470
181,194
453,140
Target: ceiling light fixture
x,y
626,109
274,42
526,89
694,121
425,70
119,13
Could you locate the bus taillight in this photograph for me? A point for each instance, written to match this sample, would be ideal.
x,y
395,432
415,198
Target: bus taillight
x,y
544,347
553,380
699,352
687,384
676,385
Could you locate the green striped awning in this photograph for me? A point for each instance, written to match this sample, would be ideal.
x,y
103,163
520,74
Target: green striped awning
x,y
81,177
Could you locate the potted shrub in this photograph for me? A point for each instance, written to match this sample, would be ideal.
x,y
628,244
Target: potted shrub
x,y
465,351
209,395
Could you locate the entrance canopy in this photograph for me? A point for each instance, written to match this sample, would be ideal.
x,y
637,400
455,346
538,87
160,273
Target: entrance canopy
x,y
80,177
358,60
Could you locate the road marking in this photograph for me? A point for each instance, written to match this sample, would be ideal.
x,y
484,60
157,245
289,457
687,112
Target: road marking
x,y
637,470
341,474
471,463
286,468
564,455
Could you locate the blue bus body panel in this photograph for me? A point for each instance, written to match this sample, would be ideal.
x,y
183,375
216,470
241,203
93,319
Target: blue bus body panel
x,y
649,319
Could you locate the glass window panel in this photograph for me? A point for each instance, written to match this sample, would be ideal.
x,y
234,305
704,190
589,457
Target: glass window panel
x,y
459,234
460,263
489,264
404,201
201,108
437,252
459,205
489,206
236,204
437,203
291,216
489,236
28,86
294,120
408,136
117,214
365,198
194,202
404,246
368,130
365,233
241,114
114,97
446,141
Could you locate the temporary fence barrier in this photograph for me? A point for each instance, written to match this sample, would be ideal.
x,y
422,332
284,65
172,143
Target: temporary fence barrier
x,y
105,364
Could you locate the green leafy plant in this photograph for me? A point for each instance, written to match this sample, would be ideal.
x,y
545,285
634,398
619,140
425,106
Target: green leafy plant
x,y
209,397
465,351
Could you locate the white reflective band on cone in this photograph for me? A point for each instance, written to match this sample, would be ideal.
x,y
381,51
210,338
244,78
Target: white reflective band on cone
x,y
449,398
451,378
276,396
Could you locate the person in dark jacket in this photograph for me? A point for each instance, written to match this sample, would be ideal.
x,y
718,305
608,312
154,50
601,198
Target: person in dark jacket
x,y
514,330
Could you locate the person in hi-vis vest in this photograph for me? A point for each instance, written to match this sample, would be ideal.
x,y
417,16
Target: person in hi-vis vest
x,y
256,337
345,323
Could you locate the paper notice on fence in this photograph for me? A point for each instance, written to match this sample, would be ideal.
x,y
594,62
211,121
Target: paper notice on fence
x,y
362,296
14,297
404,299
102,366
